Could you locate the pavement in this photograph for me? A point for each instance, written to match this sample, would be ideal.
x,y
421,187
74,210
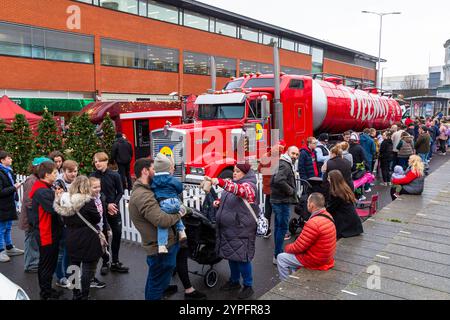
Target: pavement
x,y
131,286
404,253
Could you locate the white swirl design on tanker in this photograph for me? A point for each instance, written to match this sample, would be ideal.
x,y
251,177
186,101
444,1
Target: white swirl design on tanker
x,y
369,106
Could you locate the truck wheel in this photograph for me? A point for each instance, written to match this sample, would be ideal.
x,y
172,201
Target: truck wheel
x,y
226,174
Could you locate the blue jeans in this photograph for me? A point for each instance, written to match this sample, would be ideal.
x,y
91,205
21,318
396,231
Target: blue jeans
x,y
241,268
160,270
5,234
282,213
170,206
63,258
424,157
403,162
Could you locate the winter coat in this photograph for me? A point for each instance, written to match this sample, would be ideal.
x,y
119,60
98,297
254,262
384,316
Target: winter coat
x,y
122,151
283,184
235,224
405,147
315,247
368,146
396,137
111,185
208,208
422,144
442,133
83,244
348,223
307,164
386,151
42,217
342,165
146,215
323,155
8,197
412,183
26,202
358,155
348,156
166,186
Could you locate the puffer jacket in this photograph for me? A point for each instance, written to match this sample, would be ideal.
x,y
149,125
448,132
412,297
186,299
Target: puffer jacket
x,y
412,183
307,164
8,197
26,202
368,146
235,224
83,244
316,246
405,147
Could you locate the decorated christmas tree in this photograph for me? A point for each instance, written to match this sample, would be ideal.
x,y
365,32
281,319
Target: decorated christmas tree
x,y
108,134
49,137
20,144
82,143
3,135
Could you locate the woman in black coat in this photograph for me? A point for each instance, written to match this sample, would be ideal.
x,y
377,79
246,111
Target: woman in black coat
x,y
386,157
83,244
341,205
337,162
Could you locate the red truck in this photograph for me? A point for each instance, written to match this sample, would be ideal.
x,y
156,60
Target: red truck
x,y
252,111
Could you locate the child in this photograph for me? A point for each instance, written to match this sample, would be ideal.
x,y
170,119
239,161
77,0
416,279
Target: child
x,y
167,188
399,173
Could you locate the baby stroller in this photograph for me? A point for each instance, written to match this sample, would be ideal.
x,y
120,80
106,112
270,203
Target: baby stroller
x,y
201,241
310,186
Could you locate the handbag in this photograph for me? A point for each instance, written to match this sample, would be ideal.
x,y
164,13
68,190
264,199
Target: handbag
x,y
101,236
262,224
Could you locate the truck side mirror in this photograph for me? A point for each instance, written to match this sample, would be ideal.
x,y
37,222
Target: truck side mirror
x,y
265,107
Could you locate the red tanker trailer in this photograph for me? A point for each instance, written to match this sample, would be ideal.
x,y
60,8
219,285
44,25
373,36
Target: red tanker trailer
x,y
242,114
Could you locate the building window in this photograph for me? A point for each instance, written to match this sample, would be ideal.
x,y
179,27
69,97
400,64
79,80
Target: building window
x,y
248,34
139,56
303,48
269,38
196,63
26,41
143,8
246,67
317,60
225,67
130,6
195,20
288,44
162,12
225,28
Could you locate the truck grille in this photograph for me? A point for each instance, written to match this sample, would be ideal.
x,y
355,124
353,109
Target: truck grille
x,y
177,153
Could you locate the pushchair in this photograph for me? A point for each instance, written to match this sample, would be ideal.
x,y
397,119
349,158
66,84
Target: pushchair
x,y
310,186
201,241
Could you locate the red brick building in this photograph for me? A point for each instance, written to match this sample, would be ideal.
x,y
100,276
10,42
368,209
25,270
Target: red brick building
x,y
142,49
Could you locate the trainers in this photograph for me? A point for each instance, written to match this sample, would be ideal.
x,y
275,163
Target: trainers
x,y
104,270
229,286
384,184
268,234
287,236
274,261
119,267
162,250
368,190
95,283
31,270
63,283
362,198
246,293
14,252
4,257
195,295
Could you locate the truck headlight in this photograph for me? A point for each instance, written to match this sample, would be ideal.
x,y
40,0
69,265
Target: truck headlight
x,y
199,171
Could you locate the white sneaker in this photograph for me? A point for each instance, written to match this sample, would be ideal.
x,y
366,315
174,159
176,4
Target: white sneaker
x,y
274,261
362,198
182,235
4,257
63,283
368,190
14,252
162,249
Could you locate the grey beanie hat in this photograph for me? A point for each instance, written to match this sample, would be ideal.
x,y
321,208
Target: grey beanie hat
x,y
162,163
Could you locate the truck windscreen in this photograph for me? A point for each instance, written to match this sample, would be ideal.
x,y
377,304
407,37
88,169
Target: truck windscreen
x,y
233,85
216,111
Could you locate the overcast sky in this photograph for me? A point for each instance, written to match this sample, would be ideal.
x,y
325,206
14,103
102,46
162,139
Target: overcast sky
x,y
411,41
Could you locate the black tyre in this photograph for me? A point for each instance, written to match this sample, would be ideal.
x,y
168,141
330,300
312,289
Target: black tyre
x,y
226,174
211,278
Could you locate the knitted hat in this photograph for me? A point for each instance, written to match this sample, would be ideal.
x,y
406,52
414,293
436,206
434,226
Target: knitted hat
x,y
323,137
244,167
38,161
162,163
119,135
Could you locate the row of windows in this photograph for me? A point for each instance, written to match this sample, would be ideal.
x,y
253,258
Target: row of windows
x,y
163,12
30,42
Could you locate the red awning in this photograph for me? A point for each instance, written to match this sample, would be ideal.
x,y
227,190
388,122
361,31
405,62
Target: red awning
x,y
9,109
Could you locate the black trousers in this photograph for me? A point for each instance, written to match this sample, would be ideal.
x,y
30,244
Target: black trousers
x,y
385,170
124,171
48,260
182,267
88,270
268,209
394,161
115,222
443,144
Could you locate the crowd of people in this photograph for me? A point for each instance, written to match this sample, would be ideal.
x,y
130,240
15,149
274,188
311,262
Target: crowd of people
x,y
74,220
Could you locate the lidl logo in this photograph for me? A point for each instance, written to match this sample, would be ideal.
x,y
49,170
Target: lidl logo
x,y
167,151
259,132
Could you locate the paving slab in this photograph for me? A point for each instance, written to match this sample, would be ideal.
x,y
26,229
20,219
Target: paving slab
x,y
297,292
422,244
359,293
394,249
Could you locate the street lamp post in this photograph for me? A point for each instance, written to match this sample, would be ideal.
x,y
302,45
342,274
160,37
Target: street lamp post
x,y
381,15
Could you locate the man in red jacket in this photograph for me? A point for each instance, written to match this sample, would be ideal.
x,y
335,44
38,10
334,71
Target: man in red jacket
x,y
315,247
